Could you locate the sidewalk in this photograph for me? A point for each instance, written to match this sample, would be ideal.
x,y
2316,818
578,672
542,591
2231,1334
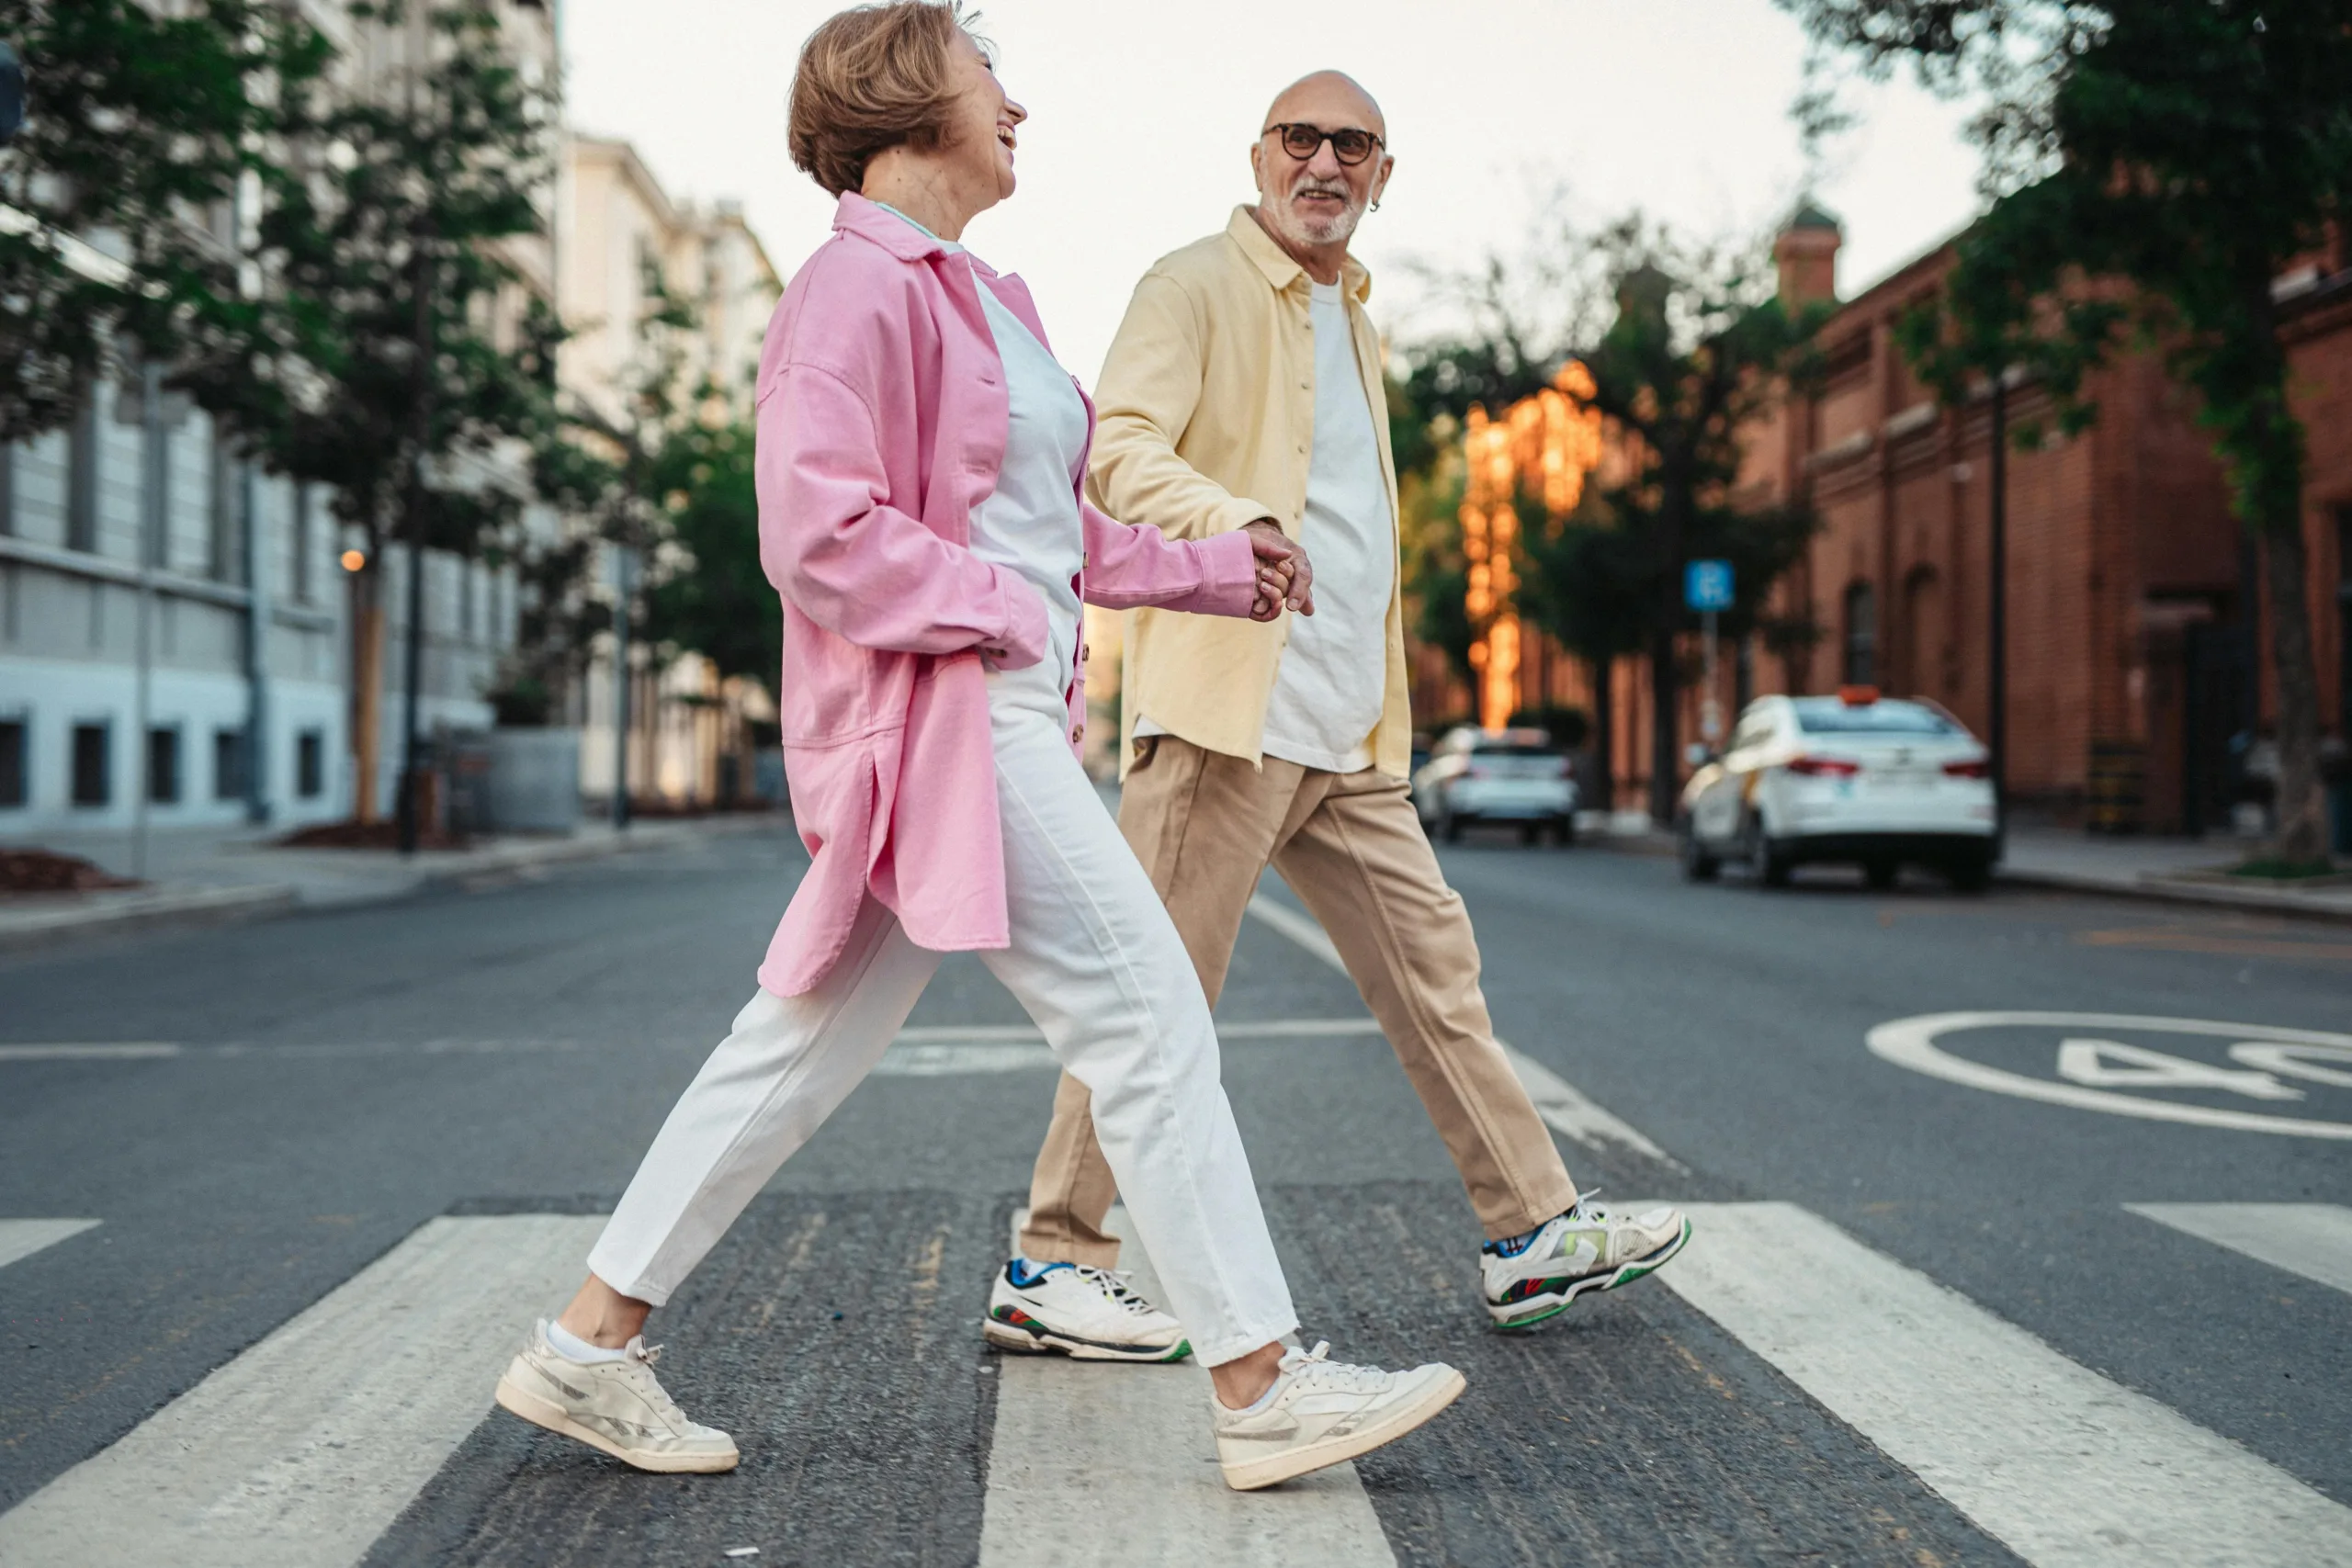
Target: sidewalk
x,y
201,876
2180,871
2185,870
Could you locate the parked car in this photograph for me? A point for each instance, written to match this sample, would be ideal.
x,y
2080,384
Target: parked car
x,y
1872,780
1498,775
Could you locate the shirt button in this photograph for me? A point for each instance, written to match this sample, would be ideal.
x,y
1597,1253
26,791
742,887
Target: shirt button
x,y
1076,734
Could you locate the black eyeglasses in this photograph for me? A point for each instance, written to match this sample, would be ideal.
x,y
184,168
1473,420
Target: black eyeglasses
x,y
1302,141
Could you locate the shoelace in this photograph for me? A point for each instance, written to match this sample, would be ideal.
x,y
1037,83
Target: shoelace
x,y
1314,1369
1586,1209
1113,1283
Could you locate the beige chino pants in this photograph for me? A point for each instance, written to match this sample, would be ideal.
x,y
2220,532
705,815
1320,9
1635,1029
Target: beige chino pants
x,y
1204,826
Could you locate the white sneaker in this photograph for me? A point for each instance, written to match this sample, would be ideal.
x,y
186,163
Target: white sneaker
x,y
1087,1312
1588,1248
617,1406
1322,1411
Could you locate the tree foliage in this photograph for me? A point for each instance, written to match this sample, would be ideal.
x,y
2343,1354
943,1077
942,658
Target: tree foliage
x,y
2155,167
1686,345
139,129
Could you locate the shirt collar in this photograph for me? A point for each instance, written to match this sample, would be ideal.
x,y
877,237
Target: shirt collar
x,y
1276,262
900,235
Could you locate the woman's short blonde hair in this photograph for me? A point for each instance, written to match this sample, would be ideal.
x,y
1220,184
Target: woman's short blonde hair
x,y
872,78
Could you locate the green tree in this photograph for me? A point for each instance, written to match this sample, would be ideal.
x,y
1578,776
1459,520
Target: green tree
x,y
2191,149
139,129
713,597
390,359
1686,345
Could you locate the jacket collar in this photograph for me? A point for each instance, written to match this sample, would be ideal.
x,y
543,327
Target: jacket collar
x,y
1276,262
894,234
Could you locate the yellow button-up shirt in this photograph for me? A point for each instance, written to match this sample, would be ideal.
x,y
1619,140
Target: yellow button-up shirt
x,y
1207,424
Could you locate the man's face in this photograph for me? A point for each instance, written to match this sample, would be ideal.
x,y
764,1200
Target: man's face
x,y
1318,200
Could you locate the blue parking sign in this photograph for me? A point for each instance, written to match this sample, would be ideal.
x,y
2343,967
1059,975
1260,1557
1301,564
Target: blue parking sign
x,y
1706,585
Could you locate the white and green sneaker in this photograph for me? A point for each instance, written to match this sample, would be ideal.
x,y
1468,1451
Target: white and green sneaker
x,y
1534,1276
1087,1313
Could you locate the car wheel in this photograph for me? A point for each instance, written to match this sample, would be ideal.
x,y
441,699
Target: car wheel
x,y
1453,829
1766,857
1697,865
1563,829
1881,872
1971,873
1531,833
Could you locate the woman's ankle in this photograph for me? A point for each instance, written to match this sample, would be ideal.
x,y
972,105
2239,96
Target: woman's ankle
x,y
603,1316
1242,1382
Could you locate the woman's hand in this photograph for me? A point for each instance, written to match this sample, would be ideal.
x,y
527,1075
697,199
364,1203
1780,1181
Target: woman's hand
x,y
1285,577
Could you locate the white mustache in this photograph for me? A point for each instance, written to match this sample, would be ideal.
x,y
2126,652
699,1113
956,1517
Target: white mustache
x,y
1317,187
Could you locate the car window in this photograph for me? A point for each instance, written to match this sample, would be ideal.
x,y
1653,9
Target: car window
x,y
1833,716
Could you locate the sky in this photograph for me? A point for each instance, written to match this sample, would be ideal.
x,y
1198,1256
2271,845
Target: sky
x,y
1141,118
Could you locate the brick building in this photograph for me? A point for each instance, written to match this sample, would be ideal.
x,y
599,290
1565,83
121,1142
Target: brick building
x,y
2136,656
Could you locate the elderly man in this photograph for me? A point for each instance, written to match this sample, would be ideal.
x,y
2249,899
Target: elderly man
x,y
1244,391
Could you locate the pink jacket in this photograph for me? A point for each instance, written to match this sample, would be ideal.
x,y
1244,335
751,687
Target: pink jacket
x,y
882,421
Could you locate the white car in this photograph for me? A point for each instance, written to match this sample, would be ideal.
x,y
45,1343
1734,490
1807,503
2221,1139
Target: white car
x,y
1498,775
1856,778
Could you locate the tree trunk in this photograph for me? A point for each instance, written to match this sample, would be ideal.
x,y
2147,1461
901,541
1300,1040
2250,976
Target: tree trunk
x,y
1666,766
2302,819
1603,794
367,690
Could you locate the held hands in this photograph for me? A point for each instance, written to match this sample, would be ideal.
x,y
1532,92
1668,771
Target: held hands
x,y
1285,577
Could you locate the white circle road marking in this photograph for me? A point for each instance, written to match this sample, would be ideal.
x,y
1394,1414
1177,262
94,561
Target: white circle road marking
x,y
1911,1042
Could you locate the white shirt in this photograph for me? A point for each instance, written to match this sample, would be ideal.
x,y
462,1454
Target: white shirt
x,y
1029,524
1333,679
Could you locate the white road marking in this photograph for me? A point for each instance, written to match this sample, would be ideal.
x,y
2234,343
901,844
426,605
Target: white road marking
x,y
2068,1469
127,1050
941,1051
1911,1042
2311,1239
298,1453
1094,1462
22,1238
1563,1107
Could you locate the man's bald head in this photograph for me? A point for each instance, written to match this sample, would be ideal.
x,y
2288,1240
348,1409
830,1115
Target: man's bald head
x,y
1311,205
1331,99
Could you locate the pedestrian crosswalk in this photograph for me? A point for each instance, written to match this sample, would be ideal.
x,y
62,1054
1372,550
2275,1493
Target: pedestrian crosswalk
x,y
305,1449
298,1452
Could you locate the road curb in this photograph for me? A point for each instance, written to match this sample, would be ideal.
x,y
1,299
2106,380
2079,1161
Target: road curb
x,y
212,905
136,911
2165,890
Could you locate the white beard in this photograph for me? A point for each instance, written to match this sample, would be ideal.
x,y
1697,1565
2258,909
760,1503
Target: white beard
x,y
1332,231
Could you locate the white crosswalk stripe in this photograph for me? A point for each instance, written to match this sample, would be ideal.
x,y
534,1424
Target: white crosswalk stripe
x,y
302,1449
22,1238
1084,1448
2311,1239
2068,1469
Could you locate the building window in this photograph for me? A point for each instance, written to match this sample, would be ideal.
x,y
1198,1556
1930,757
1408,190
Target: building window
x,y
7,488
92,769
81,478
163,765
302,525
222,520
13,783
227,764
311,764
1861,635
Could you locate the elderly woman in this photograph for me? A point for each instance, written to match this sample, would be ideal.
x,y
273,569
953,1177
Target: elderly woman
x,y
921,459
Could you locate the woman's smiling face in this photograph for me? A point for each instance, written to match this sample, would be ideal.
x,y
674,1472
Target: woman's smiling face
x,y
981,130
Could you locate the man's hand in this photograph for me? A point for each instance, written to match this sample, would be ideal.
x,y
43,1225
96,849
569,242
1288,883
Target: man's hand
x,y
1285,577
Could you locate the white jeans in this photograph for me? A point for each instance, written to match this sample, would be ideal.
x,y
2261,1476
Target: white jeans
x,y
1097,963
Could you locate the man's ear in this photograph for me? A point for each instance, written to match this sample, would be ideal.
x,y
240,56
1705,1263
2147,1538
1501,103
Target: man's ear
x,y
1258,165
1380,186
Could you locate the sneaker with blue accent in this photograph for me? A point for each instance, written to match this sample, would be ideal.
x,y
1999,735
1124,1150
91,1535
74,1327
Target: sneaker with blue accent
x,y
1092,1315
1590,1247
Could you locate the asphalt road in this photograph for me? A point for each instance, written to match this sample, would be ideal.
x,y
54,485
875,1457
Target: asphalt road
x,y
291,1112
